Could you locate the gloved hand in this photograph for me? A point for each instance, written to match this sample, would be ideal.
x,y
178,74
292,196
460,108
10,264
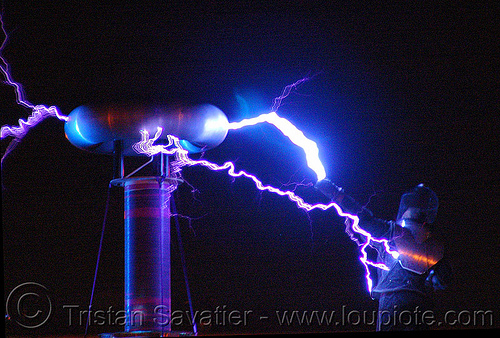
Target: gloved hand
x,y
434,281
330,189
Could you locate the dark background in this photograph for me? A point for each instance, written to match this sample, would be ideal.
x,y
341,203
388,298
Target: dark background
x,y
401,94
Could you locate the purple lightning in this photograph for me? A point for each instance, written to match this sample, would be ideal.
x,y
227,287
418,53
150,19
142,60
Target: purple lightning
x,y
286,91
145,146
38,112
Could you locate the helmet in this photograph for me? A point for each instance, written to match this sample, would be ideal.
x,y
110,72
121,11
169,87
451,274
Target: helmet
x,y
419,205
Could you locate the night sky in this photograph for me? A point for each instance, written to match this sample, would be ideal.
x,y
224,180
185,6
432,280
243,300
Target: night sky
x,y
399,94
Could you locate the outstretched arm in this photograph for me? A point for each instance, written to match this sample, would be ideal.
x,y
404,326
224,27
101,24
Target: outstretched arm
x,y
376,226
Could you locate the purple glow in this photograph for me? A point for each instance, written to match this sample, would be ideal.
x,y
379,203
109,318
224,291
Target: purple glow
x,y
145,146
38,112
286,91
5,68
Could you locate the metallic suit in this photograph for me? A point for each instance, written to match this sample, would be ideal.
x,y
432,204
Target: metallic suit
x,y
419,269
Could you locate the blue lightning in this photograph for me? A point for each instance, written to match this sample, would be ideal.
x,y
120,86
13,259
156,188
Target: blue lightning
x,y
147,146
295,135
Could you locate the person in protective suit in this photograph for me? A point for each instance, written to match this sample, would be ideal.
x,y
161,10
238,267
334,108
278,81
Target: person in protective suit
x,y
406,290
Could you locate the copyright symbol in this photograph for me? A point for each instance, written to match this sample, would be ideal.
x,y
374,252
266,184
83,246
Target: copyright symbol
x,y
29,305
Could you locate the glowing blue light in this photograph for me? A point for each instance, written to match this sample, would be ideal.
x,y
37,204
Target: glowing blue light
x,y
146,146
295,135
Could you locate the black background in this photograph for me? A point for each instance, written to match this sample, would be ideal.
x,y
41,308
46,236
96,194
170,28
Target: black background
x,y
400,94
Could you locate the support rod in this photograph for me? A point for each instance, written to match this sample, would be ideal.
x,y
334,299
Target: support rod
x,y
118,168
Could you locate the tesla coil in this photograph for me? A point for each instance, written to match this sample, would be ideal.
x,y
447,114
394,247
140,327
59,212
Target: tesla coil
x,y
113,130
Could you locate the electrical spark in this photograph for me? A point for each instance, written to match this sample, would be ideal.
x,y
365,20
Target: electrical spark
x,y
289,130
286,91
145,146
295,135
38,112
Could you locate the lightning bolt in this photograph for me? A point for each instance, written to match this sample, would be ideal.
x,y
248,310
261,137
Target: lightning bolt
x,y
296,136
38,112
173,147
146,146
